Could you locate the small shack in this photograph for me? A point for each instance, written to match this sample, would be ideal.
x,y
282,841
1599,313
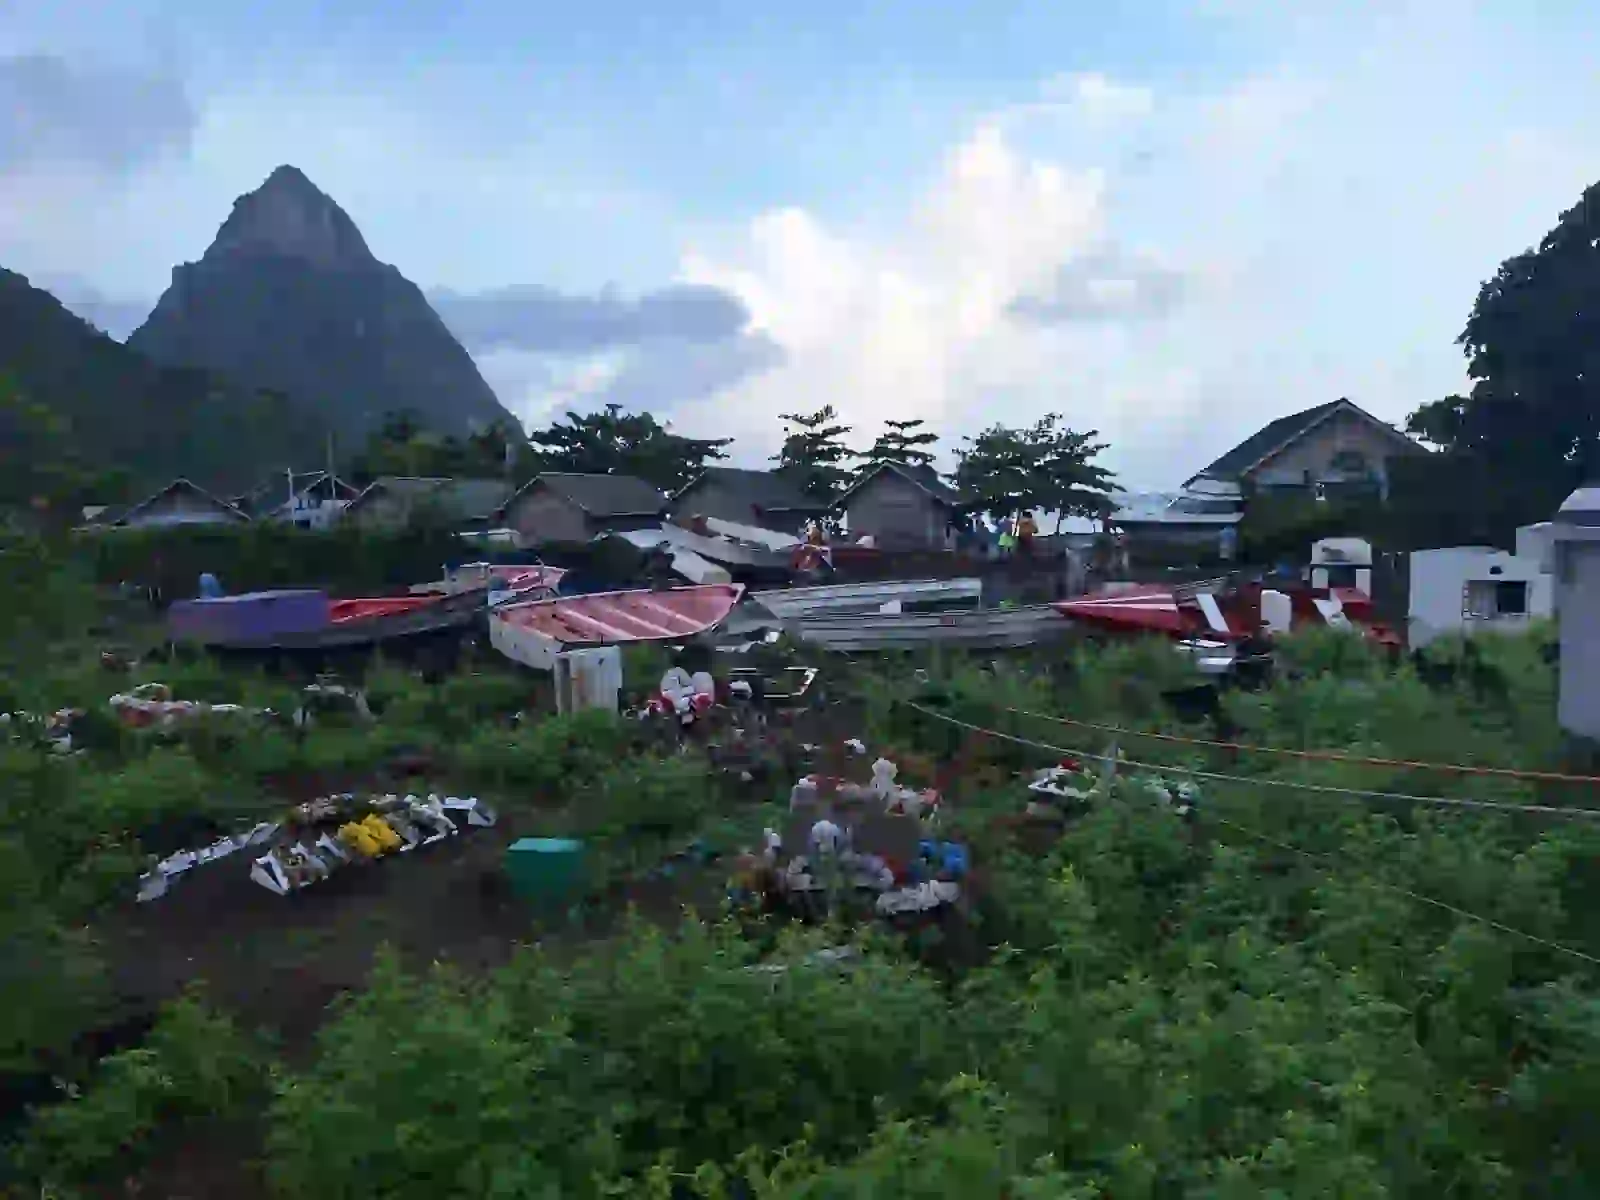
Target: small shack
x,y
1472,589
558,507
764,499
901,507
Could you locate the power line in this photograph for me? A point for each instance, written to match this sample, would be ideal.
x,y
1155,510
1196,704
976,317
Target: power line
x,y
1419,897
1315,755
1549,810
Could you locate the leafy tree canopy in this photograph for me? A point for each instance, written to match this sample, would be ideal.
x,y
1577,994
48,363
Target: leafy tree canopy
x,y
1532,341
1044,466
612,442
906,442
814,452
402,445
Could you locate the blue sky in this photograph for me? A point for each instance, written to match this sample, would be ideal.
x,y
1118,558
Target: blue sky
x,y
1171,221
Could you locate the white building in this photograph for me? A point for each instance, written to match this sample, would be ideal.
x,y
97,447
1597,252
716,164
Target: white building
x,y
1472,589
1575,559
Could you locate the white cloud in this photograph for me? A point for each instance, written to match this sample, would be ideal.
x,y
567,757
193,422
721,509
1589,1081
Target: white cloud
x,y
914,326
1331,216
1098,97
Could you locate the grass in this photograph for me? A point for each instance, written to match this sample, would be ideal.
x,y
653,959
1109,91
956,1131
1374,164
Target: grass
x,y
1143,1005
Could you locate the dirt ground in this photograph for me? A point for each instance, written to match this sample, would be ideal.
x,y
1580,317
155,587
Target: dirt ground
x,y
276,962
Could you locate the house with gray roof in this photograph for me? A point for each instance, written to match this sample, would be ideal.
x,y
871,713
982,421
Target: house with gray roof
x,y
561,507
1332,447
767,499
902,507
394,501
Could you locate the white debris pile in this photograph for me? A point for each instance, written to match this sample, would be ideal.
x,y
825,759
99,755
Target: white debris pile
x,y
55,729
1182,796
324,835
325,697
152,705
850,837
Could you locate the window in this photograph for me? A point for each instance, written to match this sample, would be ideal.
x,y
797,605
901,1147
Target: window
x,y
1342,576
1511,598
1349,462
1488,599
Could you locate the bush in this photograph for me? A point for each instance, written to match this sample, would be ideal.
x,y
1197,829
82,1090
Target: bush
x,y
194,1066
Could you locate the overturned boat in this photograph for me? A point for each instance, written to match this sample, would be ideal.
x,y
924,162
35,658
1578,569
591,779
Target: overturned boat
x,y
537,632
977,629
792,604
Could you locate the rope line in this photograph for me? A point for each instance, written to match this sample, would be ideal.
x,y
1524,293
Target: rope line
x,y
1549,810
1315,755
1419,897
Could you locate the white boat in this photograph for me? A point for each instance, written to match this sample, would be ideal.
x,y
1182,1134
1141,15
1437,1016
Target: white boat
x,y
538,632
976,629
791,604
692,566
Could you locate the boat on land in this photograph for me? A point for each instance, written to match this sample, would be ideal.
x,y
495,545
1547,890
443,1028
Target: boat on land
x,y
792,604
975,629
1225,623
536,632
291,621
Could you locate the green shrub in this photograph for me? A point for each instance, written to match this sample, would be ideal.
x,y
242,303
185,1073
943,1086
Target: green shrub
x,y
195,1065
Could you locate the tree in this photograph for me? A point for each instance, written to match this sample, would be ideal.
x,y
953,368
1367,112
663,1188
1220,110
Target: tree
x,y
903,442
1532,342
612,442
814,452
1045,466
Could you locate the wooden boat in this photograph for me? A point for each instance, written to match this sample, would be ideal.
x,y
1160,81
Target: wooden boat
x,y
536,632
788,604
976,629
353,624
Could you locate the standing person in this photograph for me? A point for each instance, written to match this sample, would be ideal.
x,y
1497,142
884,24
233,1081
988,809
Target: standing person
x,y
1027,530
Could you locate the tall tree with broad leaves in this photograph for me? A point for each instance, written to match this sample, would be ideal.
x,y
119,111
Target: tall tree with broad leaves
x,y
1045,466
612,442
904,442
814,452
1531,420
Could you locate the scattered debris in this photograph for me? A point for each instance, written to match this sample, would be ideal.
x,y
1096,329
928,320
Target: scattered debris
x,y
323,835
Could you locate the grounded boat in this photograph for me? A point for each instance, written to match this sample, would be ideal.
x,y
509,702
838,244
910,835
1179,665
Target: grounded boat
x,y
535,632
977,629
1224,612
268,622
790,604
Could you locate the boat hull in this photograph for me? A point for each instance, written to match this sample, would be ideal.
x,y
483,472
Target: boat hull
x,y
536,633
984,629
791,604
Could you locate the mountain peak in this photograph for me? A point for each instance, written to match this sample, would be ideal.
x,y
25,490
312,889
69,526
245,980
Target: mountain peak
x,y
288,216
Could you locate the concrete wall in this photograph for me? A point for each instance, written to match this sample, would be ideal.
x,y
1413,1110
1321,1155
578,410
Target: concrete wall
x,y
898,514
1445,582
1317,451
1578,601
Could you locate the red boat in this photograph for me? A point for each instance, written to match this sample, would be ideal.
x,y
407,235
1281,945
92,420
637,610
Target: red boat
x,y
1224,610
533,633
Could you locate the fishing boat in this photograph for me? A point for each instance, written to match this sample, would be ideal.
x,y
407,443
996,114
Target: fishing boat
x,y
268,622
1206,618
976,629
790,604
536,632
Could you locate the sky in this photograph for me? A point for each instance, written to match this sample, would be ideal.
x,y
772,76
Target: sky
x,y
1169,221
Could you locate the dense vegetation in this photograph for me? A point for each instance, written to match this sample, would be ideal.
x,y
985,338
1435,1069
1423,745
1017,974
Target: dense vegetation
x,y
1254,1002
71,395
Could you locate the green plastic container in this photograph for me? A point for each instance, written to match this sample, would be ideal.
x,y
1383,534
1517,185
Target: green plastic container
x,y
545,871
